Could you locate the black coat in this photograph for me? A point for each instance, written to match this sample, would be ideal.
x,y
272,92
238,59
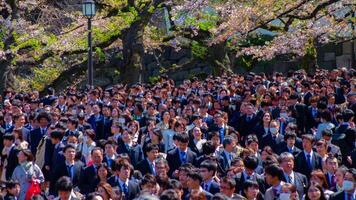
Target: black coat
x,y
34,139
214,187
240,180
98,126
246,127
294,152
337,196
144,167
301,163
61,170
300,182
88,180
135,152
275,144
12,163
174,161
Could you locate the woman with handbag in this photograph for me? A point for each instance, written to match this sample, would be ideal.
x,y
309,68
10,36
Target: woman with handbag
x,y
28,174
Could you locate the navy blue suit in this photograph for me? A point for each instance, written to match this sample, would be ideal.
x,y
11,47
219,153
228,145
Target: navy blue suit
x,y
135,152
133,187
174,161
88,179
34,139
97,125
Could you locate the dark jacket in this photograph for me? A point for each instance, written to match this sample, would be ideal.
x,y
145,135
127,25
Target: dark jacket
x,y
144,167
175,162
240,180
12,163
133,187
88,180
301,163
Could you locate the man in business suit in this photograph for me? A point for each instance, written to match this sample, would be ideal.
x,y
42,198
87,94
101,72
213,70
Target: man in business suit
x,y
37,134
274,139
69,167
250,163
110,153
10,160
180,155
107,120
331,148
247,122
289,144
313,115
273,174
299,111
286,161
72,126
220,126
57,156
65,187
331,165
208,170
307,160
89,176
349,186
122,171
226,156
126,145
19,124
147,166
96,121
194,181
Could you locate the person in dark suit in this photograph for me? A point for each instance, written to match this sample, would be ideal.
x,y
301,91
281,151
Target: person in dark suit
x,y
289,144
247,123
331,148
299,111
11,155
72,126
110,153
273,175
64,186
107,120
96,121
250,163
307,160
180,155
194,181
12,190
331,165
196,142
69,168
57,155
286,161
349,186
313,114
89,176
220,126
126,145
146,166
36,135
274,139
123,169
226,156
208,170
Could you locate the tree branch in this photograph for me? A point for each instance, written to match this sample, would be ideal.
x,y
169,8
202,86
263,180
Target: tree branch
x,y
315,11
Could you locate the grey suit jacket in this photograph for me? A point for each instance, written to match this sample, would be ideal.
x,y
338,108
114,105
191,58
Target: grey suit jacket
x,y
269,195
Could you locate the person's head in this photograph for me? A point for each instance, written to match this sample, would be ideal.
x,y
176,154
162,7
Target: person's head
x,y
267,117
238,164
249,109
110,147
349,181
103,171
69,152
347,115
149,184
274,127
227,186
64,187
307,141
273,174
318,177
161,166
13,188
315,192
72,123
327,134
208,148
251,189
288,191
73,140
208,169
170,195
252,142
96,109
286,161
19,119
290,138
229,143
183,174
97,155
321,147
24,155
105,190
123,169
94,196
215,138
183,140
339,175
331,164
89,135
151,152
8,139
197,134
43,119
251,163
194,179
176,186
56,136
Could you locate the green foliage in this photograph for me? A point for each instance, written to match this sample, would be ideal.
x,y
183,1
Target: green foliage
x,y
100,53
310,57
153,79
43,76
205,21
246,62
199,50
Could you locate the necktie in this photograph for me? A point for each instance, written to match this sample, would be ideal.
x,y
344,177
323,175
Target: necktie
x,y
206,187
70,169
349,196
125,190
333,181
290,179
43,131
309,161
183,157
153,169
275,192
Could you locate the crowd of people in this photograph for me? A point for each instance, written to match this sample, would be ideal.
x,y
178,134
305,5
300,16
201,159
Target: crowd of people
x,y
251,136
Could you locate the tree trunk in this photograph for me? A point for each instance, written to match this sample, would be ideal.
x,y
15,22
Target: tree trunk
x,y
133,52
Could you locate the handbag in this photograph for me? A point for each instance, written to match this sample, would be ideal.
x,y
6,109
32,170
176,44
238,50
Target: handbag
x,y
34,188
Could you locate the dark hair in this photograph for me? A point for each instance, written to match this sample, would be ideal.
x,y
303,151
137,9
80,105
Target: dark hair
x,y
274,171
184,138
347,115
327,132
96,149
11,184
93,195
150,147
148,179
9,136
290,136
90,133
74,121
213,134
57,135
43,115
195,175
230,181
108,189
251,162
250,183
174,184
208,147
209,165
326,115
64,184
169,194
309,137
228,140
322,195
121,163
68,146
